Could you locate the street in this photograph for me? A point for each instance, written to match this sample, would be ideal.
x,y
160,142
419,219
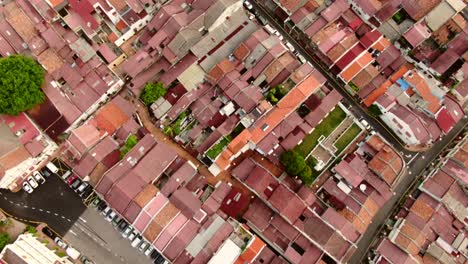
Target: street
x,y
85,229
416,163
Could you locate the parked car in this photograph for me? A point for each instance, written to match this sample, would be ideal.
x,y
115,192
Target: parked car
x,y
60,243
87,192
102,206
116,221
66,175
122,225
75,184
38,177
155,254
72,179
96,202
27,188
49,232
159,260
365,123
248,5
82,187
110,216
136,242
46,172
86,260
143,246
52,168
127,231
132,235
106,211
148,251
32,182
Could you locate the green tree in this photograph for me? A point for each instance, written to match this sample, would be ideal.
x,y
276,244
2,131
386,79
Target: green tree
x,y
374,110
131,141
276,93
306,175
21,79
152,92
4,240
293,162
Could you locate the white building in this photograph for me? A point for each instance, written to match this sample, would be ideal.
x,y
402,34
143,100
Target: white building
x,y
28,250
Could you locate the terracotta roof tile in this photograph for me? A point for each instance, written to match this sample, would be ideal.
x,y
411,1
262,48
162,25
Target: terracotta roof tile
x,y
351,71
50,60
20,21
422,209
241,52
118,4
420,84
160,221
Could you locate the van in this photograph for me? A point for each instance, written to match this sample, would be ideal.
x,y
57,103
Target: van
x,y
52,167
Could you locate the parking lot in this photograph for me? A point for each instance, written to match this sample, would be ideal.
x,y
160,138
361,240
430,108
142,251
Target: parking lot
x,y
100,241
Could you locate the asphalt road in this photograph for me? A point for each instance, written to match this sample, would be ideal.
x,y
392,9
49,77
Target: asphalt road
x,y
53,203
417,163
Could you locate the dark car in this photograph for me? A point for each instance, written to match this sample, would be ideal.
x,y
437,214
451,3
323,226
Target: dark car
x,y
154,254
87,192
102,206
122,225
49,233
159,260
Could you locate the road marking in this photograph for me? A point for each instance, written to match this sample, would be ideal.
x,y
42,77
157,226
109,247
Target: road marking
x,y
25,206
34,208
82,219
40,209
4,197
55,214
11,202
68,220
48,212
71,231
18,204
63,217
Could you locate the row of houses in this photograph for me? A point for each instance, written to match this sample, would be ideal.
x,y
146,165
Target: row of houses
x,y
396,55
431,225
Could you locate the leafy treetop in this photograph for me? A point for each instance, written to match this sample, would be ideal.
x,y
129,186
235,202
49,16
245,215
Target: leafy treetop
x,y
295,165
152,92
21,79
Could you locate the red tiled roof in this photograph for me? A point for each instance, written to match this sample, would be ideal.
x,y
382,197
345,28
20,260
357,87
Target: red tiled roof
x,y
288,204
445,120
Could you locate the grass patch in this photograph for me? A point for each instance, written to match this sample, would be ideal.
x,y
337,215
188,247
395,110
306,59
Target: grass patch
x,y
400,16
214,151
30,229
347,138
131,141
325,128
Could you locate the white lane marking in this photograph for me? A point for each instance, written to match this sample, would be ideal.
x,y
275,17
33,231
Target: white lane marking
x,y
40,209
48,212
34,208
55,214
68,220
63,217
11,202
71,231
18,204
82,219
4,197
25,206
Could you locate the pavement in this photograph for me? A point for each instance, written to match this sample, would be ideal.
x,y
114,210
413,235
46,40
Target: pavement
x,y
101,242
62,209
417,162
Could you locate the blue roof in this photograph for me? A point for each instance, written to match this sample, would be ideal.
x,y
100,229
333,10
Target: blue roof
x,y
403,84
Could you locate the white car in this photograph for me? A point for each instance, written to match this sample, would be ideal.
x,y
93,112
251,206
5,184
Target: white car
x,y
60,243
148,251
111,216
143,246
32,182
38,177
127,231
136,242
279,35
248,5
132,236
27,188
